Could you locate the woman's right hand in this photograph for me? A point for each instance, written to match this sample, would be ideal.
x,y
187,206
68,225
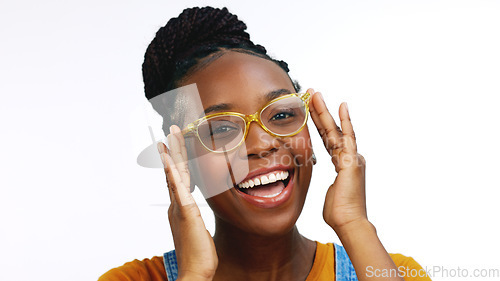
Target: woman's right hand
x,y
194,247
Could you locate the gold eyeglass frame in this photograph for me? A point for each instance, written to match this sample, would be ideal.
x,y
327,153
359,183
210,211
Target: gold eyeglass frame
x,y
192,128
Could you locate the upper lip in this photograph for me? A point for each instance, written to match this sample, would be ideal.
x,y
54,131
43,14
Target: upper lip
x,y
263,171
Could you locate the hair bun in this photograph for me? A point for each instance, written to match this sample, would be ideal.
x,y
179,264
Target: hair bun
x,y
197,27
195,30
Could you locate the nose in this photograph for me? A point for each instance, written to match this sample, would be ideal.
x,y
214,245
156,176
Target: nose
x,y
259,143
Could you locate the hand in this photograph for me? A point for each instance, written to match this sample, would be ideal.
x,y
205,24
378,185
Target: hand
x,y
194,247
345,201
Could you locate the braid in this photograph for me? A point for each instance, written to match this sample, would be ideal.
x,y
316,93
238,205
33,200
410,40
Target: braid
x,y
184,41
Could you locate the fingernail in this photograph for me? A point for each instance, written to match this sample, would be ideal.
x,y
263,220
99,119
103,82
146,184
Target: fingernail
x,y
321,96
160,147
170,129
346,107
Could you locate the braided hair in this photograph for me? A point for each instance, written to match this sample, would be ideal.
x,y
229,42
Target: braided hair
x,y
190,41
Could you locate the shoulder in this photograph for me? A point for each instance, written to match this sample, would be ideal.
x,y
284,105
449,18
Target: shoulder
x,y
138,270
409,268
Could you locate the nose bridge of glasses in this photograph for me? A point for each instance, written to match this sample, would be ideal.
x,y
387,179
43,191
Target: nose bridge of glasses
x,y
254,118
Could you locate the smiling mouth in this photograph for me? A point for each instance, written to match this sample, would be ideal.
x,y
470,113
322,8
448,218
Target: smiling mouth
x,y
267,185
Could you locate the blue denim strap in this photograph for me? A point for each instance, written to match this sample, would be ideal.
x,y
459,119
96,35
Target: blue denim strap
x,y
170,261
344,271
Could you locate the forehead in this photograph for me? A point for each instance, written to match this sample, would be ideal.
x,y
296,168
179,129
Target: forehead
x,y
239,79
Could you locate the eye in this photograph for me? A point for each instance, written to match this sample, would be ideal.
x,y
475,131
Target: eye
x,y
222,129
282,115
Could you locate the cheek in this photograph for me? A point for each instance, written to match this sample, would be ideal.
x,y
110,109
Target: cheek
x,y
300,147
211,173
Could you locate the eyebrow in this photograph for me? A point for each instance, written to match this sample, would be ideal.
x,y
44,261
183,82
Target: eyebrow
x,y
275,94
267,98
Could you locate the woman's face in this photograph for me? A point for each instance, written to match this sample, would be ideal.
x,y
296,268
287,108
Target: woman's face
x,y
244,83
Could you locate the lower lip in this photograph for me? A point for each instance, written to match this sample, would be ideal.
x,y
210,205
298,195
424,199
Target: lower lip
x,y
264,202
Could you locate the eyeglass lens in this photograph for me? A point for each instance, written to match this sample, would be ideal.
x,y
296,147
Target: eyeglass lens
x,y
224,132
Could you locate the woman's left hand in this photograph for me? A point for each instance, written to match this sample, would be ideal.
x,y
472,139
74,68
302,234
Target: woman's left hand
x,y
345,201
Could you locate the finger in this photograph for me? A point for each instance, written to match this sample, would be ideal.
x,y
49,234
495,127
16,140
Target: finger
x,y
178,157
327,128
180,191
177,132
316,119
181,146
320,128
170,185
162,149
347,130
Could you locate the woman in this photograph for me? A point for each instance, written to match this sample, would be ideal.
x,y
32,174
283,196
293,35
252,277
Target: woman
x,y
269,161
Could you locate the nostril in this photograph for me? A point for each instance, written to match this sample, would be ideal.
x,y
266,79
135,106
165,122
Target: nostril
x,y
259,142
265,153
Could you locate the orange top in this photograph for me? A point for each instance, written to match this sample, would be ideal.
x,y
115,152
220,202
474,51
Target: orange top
x,y
323,268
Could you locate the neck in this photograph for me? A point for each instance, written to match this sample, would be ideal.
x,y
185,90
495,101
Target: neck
x,y
250,256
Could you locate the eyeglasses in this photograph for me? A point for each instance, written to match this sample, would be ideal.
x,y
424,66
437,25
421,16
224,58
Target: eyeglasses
x,y
221,132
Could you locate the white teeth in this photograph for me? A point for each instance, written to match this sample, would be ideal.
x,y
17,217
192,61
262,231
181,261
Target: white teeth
x,y
270,178
264,180
256,181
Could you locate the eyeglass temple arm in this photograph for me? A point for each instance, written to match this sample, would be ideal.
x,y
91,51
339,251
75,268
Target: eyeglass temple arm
x,y
188,130
305,97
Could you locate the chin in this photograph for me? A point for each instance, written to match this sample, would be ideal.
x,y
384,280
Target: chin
x,y
252,219
269,208
272,226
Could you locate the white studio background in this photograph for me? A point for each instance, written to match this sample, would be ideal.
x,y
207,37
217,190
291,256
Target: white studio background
x,y
421,79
